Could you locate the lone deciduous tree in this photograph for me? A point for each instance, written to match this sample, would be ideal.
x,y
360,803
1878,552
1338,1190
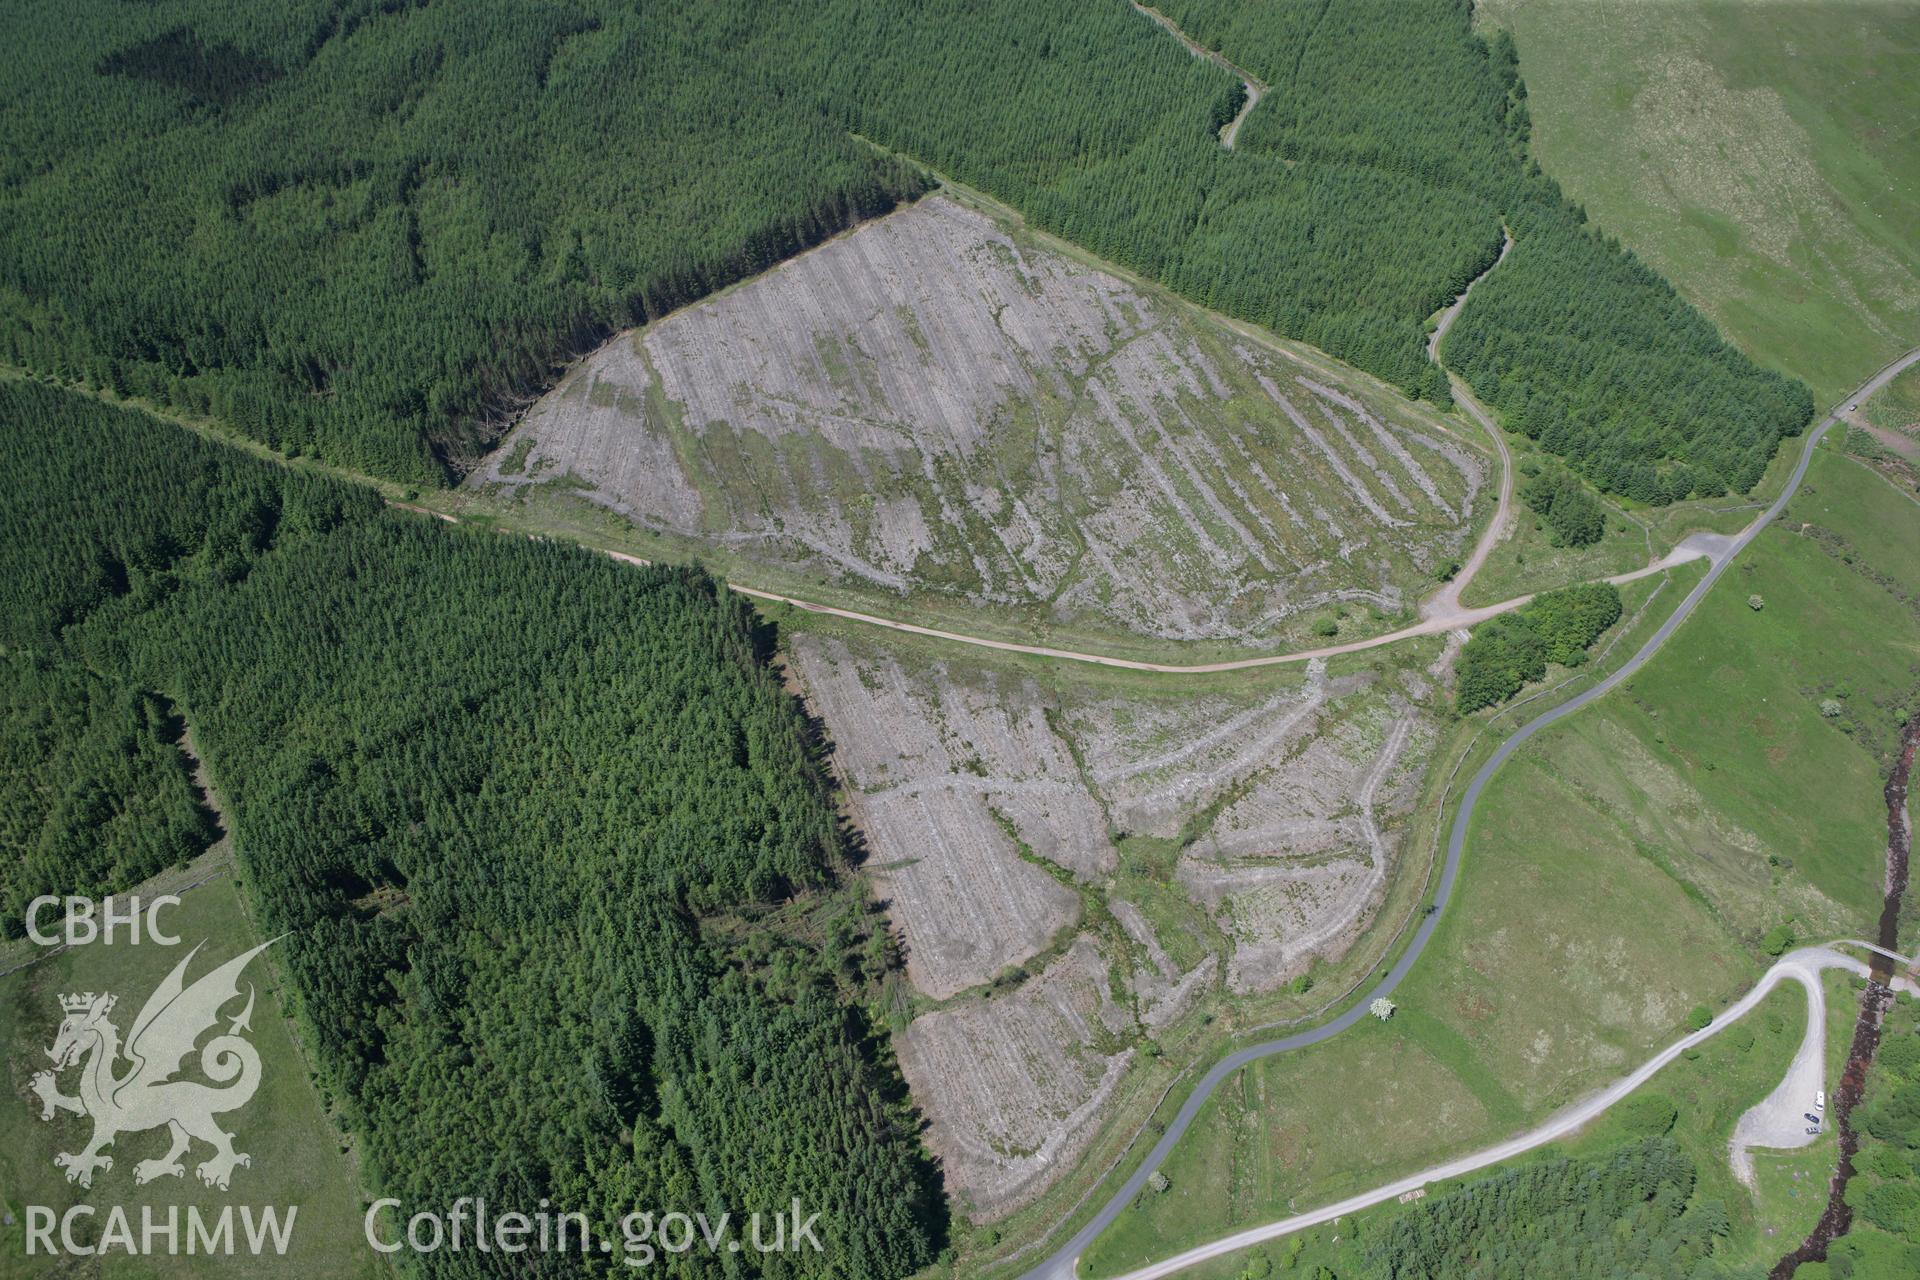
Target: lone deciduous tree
x,y
1381,1008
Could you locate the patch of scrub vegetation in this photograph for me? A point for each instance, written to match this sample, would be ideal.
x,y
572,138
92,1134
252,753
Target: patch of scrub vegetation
x,y
298,1165
1760,156
1884,1194
1514,649
1572,515
541,836
514,461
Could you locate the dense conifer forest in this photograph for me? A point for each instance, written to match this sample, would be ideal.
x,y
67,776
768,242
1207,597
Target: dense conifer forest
x,y
551,850
368,230
365,230
94,794
1573,339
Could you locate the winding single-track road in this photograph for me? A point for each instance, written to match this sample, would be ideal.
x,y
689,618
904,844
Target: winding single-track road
x,y
1803,966
1061,1264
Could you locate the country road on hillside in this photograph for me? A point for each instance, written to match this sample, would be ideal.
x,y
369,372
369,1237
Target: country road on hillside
x,y
1803,966
1061,1264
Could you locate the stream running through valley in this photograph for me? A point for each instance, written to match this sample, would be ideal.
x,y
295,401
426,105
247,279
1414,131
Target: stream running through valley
x,y
1837,1219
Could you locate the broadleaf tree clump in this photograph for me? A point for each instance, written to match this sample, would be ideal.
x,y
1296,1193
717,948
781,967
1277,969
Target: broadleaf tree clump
x,y
1512,650
1573,516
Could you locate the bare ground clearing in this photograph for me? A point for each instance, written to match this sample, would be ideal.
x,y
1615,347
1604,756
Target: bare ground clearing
x,y
932,404
1016,1084
1187,843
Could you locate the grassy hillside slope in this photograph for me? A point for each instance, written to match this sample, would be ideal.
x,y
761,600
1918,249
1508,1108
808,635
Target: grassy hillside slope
x,y
296,1152
1765,157
1697,1099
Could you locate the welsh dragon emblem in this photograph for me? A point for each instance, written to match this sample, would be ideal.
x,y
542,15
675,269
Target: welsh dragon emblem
x,y
144,1095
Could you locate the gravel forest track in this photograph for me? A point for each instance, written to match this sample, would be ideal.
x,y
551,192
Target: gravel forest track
x,y
1692,548
1256,87
1446,601
1062,1264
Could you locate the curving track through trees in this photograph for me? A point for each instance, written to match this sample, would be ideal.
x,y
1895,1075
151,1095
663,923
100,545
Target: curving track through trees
x,y
1061,1264
1256,88
1446,601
